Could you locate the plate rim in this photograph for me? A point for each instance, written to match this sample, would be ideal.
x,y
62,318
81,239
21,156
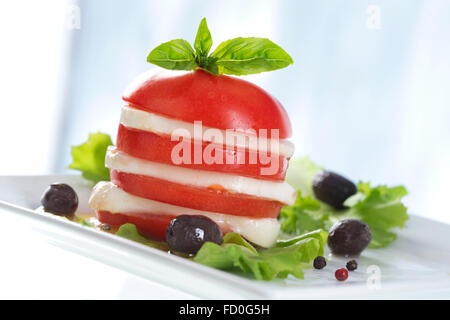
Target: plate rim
x,y
246,288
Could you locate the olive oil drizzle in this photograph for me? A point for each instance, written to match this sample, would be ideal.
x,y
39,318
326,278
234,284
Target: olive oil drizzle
x,y
91,221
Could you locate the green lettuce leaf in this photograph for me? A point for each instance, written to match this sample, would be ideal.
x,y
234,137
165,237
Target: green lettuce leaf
x,y
236,254
129,231
300,174
380,207
319,234
304,216
233,237
89,157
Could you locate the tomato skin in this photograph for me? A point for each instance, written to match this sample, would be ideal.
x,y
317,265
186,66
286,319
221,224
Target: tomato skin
x,y
221,102
153,147
205,199
150,225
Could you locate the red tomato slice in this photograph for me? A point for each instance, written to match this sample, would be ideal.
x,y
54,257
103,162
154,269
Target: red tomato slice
x,y
206,199
151,225
221,102
150,146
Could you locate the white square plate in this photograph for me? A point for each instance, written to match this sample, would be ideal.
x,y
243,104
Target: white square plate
x,y
417,265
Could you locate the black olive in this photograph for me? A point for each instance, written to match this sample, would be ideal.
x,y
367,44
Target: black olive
x,y
332,188
187,233
60,198
349,237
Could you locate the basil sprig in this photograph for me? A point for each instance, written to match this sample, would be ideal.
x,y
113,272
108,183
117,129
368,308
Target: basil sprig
x,y
238,56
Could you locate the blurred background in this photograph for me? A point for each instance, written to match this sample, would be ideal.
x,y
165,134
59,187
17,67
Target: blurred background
x,y
368,94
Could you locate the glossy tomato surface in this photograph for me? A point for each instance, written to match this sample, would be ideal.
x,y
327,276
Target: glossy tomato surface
x,y
221,102
151,225
212,199
153,147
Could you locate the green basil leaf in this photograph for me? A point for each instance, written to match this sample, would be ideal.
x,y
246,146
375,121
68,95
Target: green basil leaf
x,y
203,39
241,56
210,66
174,55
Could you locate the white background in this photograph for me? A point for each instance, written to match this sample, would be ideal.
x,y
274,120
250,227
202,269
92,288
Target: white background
x,y
368,101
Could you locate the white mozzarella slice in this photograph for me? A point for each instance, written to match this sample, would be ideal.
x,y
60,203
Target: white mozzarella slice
x,y
279,191
108,197
147,121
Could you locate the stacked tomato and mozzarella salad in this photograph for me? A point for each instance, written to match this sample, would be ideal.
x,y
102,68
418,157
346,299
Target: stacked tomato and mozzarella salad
x,y
149,189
